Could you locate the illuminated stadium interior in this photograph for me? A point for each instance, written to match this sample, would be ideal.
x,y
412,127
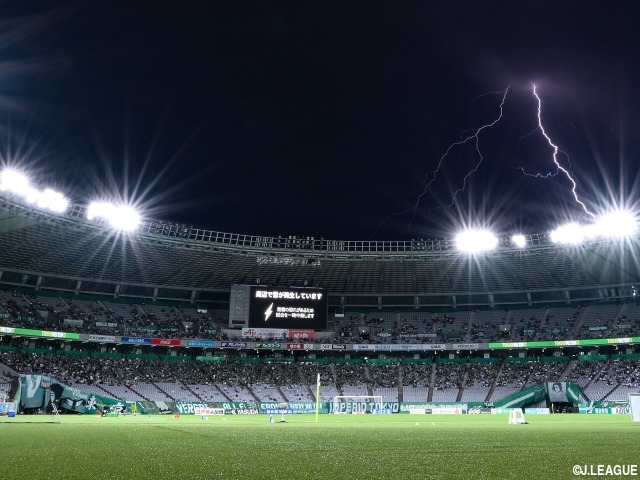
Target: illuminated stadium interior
x,y
51,244
105,274
319,241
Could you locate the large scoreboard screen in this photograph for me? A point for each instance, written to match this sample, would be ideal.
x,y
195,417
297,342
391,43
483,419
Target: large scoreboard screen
x,y
287,307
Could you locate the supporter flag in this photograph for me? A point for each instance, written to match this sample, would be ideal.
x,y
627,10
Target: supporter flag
x,y
557,392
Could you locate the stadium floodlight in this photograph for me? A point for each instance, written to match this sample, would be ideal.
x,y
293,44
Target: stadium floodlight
x,y
126,219
16,182
571,233
52,200
474,241
519,240
122,217
616,224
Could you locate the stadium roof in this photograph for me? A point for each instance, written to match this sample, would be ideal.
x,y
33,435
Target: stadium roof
x,y
61,250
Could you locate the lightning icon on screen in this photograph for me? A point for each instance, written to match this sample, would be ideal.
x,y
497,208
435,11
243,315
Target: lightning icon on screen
x,y
268,312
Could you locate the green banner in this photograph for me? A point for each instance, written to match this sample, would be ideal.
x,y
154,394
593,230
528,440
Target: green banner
x,y
43,392
553,391
574,393
230,408
252,408
32,390
566,343
605,407
294,407
39,333
405,407
523,397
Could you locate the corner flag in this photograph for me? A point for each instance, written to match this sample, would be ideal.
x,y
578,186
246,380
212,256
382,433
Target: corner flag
x,y
317,397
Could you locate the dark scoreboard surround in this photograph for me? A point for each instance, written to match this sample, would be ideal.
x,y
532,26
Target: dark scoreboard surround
x,y
299,308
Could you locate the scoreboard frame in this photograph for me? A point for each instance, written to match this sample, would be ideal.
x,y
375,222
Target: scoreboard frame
x,y
288,307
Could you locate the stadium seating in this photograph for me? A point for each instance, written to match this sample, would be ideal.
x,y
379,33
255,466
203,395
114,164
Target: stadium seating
x,y
143,379
81,278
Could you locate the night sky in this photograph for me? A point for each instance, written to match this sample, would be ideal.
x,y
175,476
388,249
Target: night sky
x,y
326,119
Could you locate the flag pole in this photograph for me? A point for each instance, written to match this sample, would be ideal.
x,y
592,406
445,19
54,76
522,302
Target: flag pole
x,y
317,397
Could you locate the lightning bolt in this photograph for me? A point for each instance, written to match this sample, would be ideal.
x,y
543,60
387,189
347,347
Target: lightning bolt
x,y
268,312
475,136
548,174
537,175
574,184
472,136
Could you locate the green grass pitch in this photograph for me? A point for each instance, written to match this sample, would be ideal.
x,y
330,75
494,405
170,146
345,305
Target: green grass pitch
x,y
336,447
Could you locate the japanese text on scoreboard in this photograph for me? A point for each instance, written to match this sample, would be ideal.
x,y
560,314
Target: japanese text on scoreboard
x,y
288,308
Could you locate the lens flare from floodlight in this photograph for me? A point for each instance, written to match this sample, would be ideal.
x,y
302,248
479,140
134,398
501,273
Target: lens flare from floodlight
x,y
570,233
98,210
18,183
31,195
52,200
14,181
616,224
123,217
126,219
519,240
473,241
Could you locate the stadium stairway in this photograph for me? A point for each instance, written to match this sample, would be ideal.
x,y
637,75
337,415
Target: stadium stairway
x,y
39,314
543,324
139,393
623,382
569,368
104,307
335,379
221,391
400,384
251,392
281,392
305,382
178,313
311,393
432,382
495,381
463,384
525,384
470,323
106,392
367,379
578,325
186,387
605,366
509,317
